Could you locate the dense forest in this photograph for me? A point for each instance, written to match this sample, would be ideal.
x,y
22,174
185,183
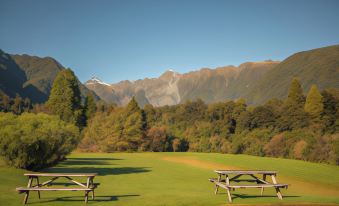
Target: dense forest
x,y
40,135
297,127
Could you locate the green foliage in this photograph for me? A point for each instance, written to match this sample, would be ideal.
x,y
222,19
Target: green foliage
x,y
34,141
89,106
65,100
314,103
293,115
295,94
317,66
278,128
16,105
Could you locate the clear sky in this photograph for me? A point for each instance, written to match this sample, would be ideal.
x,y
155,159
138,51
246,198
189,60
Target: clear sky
x,y
134,39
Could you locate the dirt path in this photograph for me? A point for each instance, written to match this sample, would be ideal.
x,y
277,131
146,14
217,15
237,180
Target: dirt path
x,y
297,186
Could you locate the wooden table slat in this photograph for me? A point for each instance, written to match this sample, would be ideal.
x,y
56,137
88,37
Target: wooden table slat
x,y
245,172
61,174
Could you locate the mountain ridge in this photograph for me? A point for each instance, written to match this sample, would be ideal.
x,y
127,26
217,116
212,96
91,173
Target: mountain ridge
x,y
167,89
31,76
256,82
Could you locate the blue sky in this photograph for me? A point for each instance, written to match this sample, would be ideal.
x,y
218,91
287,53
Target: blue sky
x,y
125,39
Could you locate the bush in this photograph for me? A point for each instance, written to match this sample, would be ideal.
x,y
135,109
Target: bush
x,y
33,141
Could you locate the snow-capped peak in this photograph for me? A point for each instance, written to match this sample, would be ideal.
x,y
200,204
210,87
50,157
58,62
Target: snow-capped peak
x,y
96,80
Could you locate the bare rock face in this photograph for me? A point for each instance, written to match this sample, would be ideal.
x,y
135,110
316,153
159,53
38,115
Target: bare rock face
x,y
172,88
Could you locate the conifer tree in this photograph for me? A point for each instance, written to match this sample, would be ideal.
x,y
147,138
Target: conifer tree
x,y
293,115
314,103
134,125
65,100
295,94
89,106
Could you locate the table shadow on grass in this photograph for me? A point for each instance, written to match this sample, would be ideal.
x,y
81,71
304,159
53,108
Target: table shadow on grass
x,y
80,199
102,171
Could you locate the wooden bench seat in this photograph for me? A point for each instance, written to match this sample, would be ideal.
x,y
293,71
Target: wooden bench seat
x,y
223,185
25,189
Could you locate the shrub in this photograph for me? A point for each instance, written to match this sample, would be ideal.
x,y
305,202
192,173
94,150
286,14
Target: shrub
x,y
33,141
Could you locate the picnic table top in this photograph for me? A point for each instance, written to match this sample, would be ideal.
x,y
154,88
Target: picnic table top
x,y
61,174
246,172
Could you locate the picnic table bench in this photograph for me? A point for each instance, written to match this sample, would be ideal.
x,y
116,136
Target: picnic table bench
x,y
88,187
224,180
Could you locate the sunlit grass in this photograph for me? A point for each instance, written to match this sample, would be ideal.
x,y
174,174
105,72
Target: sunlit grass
x,y
159,179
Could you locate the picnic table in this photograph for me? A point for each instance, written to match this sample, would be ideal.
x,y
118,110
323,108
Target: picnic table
x,y
227,177
87,187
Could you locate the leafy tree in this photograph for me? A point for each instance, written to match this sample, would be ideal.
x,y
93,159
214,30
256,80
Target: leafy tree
x,y
17,106
33,141
314,103
330,112
5,103
158,139
262,117
65,100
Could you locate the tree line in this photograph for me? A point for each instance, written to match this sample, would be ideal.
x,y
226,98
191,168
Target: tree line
x,y
298,127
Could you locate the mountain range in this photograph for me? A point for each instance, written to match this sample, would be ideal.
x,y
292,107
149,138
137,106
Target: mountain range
x,y
257,82
30,76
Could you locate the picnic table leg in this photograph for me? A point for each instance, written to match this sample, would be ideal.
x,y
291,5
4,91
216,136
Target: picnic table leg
x,y
27,192
264,178
86,192
228,189
37,180
276,189
217,186
86,196
92,185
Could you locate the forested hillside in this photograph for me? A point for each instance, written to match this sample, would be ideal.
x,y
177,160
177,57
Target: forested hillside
x,y
317,66
299,127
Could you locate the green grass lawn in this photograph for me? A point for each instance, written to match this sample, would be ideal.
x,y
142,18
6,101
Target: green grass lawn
x,y
176,179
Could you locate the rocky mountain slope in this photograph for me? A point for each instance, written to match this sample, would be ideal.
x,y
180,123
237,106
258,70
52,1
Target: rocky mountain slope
x,y
254,81
30,76
173,88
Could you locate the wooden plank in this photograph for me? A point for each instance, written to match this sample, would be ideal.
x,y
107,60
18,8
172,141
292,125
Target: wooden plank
x,y
259,180
76,182
48,181
276,188
61,174
92,185
37,182
236,177
216,186
52,189
228,189
258,186
30,180
245,172
264,179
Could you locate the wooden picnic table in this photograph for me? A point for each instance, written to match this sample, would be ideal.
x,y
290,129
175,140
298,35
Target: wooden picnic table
x,y
88,187
227,177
